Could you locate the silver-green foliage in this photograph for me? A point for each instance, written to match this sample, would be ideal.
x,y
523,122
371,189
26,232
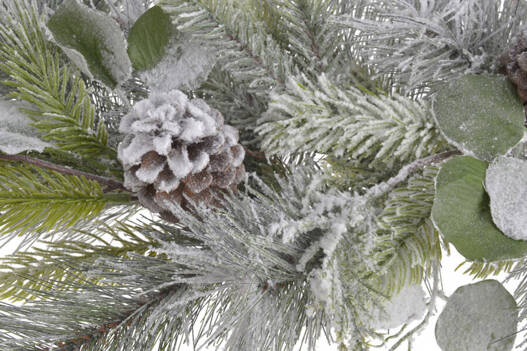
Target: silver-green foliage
x,y
63,111
422,41
241,268
322,117
26,273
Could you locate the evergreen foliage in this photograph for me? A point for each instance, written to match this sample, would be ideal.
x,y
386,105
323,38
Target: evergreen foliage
x,y
62,107
320,117
414,243
344,125
34,200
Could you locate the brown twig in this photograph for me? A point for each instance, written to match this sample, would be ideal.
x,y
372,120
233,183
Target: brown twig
x,y
110,184
255,154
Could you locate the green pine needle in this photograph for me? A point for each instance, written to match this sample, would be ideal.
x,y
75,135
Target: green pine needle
x,y
64,112
34,200
24,273
414,242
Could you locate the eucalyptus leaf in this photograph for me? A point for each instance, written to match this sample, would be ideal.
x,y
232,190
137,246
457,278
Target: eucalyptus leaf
x,y
480,115
506,184
477,317
461,213
148,38
16,134
93,41
186,65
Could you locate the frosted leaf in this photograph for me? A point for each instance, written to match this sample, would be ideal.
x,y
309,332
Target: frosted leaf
x,y
179,162
151,165
186,65
16,135
480,115
480,316
148,38
462,215
408,305
96,38
506,184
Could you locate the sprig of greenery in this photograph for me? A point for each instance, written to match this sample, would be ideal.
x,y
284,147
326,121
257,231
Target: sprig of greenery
x,y
410,244
24,273
63,110
34,200
322,117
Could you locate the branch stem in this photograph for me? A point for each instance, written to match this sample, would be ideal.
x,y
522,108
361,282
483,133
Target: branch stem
x,y
110,184
384,188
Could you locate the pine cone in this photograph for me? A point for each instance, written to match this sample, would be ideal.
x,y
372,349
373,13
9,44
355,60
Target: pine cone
x,y
513,63
176,148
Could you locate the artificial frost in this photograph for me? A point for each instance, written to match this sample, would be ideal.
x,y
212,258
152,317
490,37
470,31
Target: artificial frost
x,y
480,316
185,65
506,185
16,135
93,41
408,305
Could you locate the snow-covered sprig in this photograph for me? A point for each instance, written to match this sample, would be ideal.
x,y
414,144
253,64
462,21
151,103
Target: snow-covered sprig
x,y
237,265
421,41
351,123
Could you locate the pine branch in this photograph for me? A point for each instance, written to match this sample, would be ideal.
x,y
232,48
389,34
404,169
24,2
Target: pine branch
x,y
244,50
24,273
110,184
410,243
64,112
485,269
320,117
236,269
422,43
250,63
34,200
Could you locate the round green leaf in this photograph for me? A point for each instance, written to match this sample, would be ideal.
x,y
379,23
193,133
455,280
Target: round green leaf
x,y
461,213
148,39
477,317
93,41
506,184
480,115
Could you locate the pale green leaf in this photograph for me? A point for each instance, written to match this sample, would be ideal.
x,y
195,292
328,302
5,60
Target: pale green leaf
x,y
95,36
477,317
16,135
506,185
148,38
480,115
462,215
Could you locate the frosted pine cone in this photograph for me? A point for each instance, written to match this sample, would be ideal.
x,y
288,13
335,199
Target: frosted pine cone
x,y
175,146
514,64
